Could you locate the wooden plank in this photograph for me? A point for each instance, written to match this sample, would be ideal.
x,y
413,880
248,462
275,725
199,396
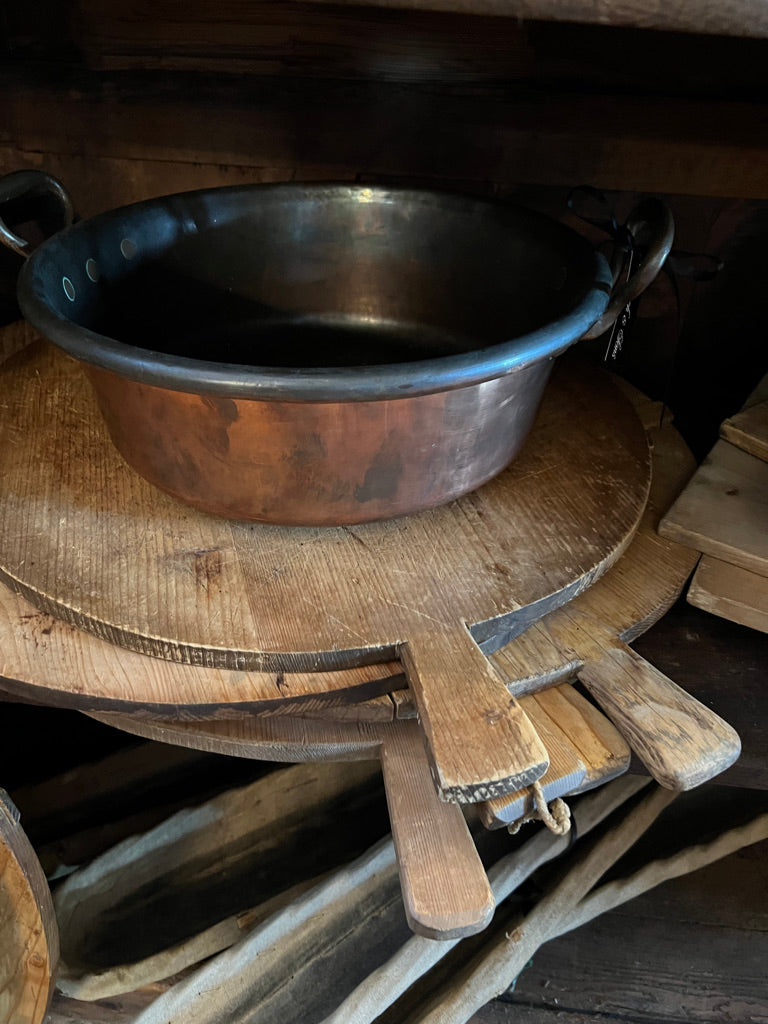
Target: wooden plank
x,y
566,722
301,39
589,733
731,592
452,681
724,509
324,130
736,17
748,429
565,774
29,941
681,742
445,888
722,664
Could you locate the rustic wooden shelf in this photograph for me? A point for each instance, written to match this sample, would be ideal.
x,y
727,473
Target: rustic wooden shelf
x,y
734,17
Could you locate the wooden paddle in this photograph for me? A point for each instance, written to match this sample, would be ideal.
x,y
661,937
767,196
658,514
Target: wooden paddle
x,y
86,539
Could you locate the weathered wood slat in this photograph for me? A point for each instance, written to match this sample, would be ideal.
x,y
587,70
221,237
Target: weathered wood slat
x,y
736,17
251,828
724,509
596,752
748,429
445,888
731,592
324,130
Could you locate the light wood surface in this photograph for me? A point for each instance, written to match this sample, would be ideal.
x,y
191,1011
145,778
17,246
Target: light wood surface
x,y
680,741
748,429
730,592
45,659
84,537
724,510
29,942
97,546
565,774
566,722
445,889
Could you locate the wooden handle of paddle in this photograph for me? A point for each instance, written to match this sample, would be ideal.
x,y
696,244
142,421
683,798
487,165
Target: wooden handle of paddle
x,y
679,740
480,741
445,889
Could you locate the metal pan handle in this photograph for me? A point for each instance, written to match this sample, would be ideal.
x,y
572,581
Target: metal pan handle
x,y
652,227
31,183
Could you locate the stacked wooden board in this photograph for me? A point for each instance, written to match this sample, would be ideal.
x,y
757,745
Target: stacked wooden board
x,y
426,642
724,514
29,939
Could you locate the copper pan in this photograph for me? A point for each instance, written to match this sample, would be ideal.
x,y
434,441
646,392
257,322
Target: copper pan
x,y
321,354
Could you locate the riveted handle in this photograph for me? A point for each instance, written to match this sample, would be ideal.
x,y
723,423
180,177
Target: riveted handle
x,y
31,184
652,229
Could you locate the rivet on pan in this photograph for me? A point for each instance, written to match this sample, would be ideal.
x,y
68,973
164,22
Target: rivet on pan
x,y
92,270
128,248
69,288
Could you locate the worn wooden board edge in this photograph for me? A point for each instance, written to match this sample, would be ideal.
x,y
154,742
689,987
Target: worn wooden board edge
x,y
722,511
730,592
29,928
748,430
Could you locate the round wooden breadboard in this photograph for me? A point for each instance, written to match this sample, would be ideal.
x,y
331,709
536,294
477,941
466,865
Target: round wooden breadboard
x,y
84,538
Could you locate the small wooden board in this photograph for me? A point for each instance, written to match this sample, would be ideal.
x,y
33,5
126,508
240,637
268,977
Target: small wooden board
x,y
29,938
730,592
84,538
580,728
748,429
723,512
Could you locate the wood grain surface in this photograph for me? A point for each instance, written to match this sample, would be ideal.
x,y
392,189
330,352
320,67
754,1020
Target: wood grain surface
x,y
681,741
565,720
82,536
97,546
445,889
730,592
29,940
748,429
724,510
